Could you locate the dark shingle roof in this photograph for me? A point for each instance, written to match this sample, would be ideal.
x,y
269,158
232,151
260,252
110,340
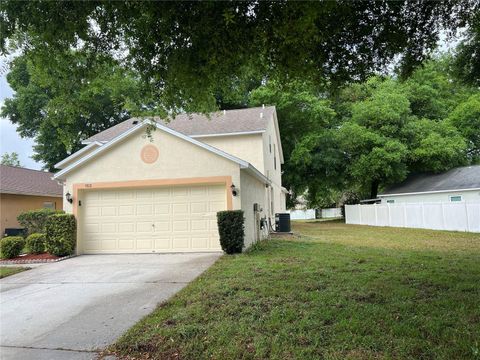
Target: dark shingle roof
x,y
230,121
17,180
467,177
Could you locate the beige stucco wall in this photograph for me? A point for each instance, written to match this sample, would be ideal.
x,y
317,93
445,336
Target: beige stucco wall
x,y
245,147
177,159
469,195
252,191
13,205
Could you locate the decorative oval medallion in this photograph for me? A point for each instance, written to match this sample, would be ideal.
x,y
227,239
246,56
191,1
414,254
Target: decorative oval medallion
x,y
149,154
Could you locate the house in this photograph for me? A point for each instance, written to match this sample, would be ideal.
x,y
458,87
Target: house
x,y
458,184
139,191
25,189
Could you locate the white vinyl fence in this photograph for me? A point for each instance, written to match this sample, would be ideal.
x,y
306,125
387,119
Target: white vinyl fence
x,y
331,213
302,214
461,216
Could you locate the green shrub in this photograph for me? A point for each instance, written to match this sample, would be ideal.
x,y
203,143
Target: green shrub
x,y
61,234
36,243
11,246
230,228
35,220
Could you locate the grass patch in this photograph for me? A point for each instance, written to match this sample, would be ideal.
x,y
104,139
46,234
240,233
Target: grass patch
x,y
8,270
333,291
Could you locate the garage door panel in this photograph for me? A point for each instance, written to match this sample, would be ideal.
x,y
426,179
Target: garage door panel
x,y
108,227
162,243
180,242
162,226
179,218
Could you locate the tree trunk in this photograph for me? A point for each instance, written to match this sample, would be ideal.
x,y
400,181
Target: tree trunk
x,y
374,189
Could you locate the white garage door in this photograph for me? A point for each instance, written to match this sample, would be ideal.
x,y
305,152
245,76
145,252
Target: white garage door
x,y
164,219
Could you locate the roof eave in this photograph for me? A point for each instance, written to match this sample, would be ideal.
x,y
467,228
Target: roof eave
x,y
428,192
77,154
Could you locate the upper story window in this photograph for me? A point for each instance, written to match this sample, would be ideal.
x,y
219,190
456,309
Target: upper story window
x,y
270,143
456,198
274,157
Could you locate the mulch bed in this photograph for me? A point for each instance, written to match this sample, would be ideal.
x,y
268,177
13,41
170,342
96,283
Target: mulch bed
x,y
34,259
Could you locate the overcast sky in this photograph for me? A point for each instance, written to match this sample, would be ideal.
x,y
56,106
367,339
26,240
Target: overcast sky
x,y
9,139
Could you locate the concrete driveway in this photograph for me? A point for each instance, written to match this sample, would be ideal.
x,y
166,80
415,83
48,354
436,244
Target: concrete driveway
x,y
70,309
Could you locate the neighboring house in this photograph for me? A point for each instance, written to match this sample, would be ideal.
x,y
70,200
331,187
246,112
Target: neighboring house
x,y
159,191
455,185
25,189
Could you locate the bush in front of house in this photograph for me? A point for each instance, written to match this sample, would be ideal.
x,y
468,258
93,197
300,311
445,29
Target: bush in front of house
x,y
231,230
36,243
34,221
11,246
61,234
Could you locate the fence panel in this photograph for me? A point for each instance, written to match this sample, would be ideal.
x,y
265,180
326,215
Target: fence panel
x,y
461,216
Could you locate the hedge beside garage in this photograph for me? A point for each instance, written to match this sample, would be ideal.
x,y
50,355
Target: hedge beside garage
x,y
61,232
231,230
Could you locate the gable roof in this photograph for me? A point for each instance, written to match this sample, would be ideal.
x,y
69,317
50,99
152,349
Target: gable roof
x,y
228,122
75,155
21,181
243,164
461,178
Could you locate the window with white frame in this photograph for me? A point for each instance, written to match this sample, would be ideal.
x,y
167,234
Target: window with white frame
x,y
455,198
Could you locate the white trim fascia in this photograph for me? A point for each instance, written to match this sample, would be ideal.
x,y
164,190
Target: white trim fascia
x,y
77,154
242,163
428,192
100,149
86,142
238,133
279,140
256,173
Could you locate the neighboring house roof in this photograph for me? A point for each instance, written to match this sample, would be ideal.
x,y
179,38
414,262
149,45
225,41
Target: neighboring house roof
x,y
21,181
229,122
243,164
461,178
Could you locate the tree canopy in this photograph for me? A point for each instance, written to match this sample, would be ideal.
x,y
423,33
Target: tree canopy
x,y
68,98
10,159
189,52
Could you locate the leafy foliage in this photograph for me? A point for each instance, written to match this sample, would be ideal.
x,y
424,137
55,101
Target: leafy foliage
x,y
35,221
466,118
66,98
11,246
10,159
61,234
36,243
188,52
231,230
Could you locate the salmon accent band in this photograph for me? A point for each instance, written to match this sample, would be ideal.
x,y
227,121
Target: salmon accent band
x,y
227,180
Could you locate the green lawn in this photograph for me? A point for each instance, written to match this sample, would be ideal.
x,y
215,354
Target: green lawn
x,y
7,270
333,291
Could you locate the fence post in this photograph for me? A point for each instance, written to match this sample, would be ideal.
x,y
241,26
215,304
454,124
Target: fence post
x,y
443,216
360,214
423,215
466,217
404,214
376,216
389,215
